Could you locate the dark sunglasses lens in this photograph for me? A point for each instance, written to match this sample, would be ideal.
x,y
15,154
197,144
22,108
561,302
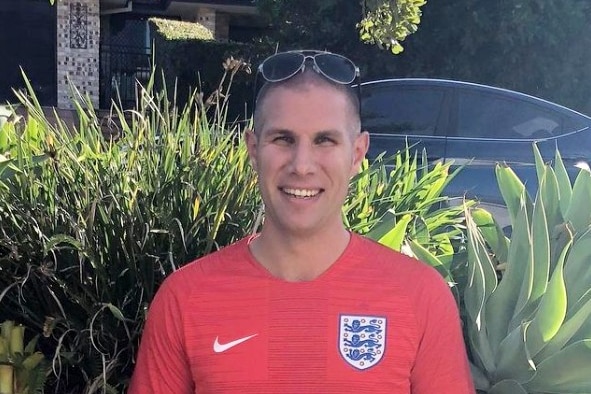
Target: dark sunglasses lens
x,y
281,66
338,68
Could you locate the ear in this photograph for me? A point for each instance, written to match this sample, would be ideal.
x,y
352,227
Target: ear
x,y
251,145
360,147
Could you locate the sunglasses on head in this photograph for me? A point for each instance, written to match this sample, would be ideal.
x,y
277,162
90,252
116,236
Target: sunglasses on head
x,y
284,65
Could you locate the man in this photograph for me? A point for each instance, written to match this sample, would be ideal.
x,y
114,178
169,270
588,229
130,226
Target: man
x,y
305,306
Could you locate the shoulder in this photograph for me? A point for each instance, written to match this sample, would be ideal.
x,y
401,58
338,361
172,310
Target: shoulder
x,y
389,260
199,273
417,279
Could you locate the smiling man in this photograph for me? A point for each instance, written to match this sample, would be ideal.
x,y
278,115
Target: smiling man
x,y
305,305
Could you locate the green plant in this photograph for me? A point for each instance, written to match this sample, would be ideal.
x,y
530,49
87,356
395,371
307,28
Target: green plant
x,y
530,331
399,202
4,115
179,30
89,227
22,369
387,23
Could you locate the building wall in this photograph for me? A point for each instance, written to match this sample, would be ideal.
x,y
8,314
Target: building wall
x,y
78,34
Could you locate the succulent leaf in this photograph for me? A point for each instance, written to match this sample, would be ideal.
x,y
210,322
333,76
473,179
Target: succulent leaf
x,y
491,232
482,281
578,268
565,189
552,311
502,302
17,335
568,331
564,372
578,213
512,190
538,318
6,378
507,387
513,361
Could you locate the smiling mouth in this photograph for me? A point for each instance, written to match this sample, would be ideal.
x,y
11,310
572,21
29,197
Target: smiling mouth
x,y
301,193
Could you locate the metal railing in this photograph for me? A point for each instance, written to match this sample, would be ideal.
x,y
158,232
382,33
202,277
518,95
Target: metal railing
x,y
121,68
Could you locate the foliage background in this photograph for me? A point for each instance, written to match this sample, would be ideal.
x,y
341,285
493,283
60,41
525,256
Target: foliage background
x,y
199,66
90,227
539,47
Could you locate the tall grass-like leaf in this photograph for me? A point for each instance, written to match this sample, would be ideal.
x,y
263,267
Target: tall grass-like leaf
x,y
424,255
89,227
397,200
394,237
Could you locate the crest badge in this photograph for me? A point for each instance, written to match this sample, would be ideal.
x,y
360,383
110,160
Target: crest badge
x,y
362,340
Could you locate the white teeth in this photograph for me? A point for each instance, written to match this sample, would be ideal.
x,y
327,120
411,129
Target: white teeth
x,y
302,192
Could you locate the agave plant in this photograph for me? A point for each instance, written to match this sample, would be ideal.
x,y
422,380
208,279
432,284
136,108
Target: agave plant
x,y
528,300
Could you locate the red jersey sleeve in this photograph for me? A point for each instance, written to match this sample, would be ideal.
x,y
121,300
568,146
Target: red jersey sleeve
x,y
162,365
441,364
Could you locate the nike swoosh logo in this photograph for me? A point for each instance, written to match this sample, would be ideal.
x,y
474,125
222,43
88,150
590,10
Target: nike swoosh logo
x,y
222,347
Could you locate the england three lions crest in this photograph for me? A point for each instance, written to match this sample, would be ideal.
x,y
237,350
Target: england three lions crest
x,y
362,340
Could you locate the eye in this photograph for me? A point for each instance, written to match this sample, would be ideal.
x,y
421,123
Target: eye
x,y
282,139
325,140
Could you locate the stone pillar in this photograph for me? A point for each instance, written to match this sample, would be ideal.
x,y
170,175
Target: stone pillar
x,y
216,22
206,16
222,28
78,34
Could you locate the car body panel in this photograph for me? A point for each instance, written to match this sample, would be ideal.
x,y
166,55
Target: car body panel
x,y
473,125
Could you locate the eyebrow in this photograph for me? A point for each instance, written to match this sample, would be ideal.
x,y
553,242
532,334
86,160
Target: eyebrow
x,y
321,133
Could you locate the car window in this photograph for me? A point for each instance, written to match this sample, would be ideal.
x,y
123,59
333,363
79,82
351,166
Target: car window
x,y
495,116
396,109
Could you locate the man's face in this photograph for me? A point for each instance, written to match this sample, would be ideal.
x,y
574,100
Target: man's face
x,y
305,151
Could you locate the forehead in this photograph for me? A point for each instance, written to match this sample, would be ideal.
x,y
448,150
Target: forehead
x,y
315,106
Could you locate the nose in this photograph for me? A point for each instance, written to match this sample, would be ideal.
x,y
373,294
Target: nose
x,y
303,162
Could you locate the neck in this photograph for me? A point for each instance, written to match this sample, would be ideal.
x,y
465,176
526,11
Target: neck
x,y
299,258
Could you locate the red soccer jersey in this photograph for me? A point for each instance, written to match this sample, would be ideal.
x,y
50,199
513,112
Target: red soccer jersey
x,y
376,321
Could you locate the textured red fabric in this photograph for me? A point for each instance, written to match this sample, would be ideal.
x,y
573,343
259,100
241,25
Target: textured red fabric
x,y
294,328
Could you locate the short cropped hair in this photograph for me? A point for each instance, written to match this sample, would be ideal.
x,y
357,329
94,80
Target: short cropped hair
x,y
300,81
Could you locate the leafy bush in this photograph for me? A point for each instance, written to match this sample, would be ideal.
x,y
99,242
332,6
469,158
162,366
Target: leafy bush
x,y
530,332
89,227
178,30
22,369
398,202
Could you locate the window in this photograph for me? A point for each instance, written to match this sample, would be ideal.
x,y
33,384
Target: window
x,y
394,109
494,116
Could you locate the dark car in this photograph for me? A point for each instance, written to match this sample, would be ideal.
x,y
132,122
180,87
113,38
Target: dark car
x,y
475,125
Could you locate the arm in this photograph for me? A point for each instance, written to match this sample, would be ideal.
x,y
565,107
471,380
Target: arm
x,y
441,365
162,365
